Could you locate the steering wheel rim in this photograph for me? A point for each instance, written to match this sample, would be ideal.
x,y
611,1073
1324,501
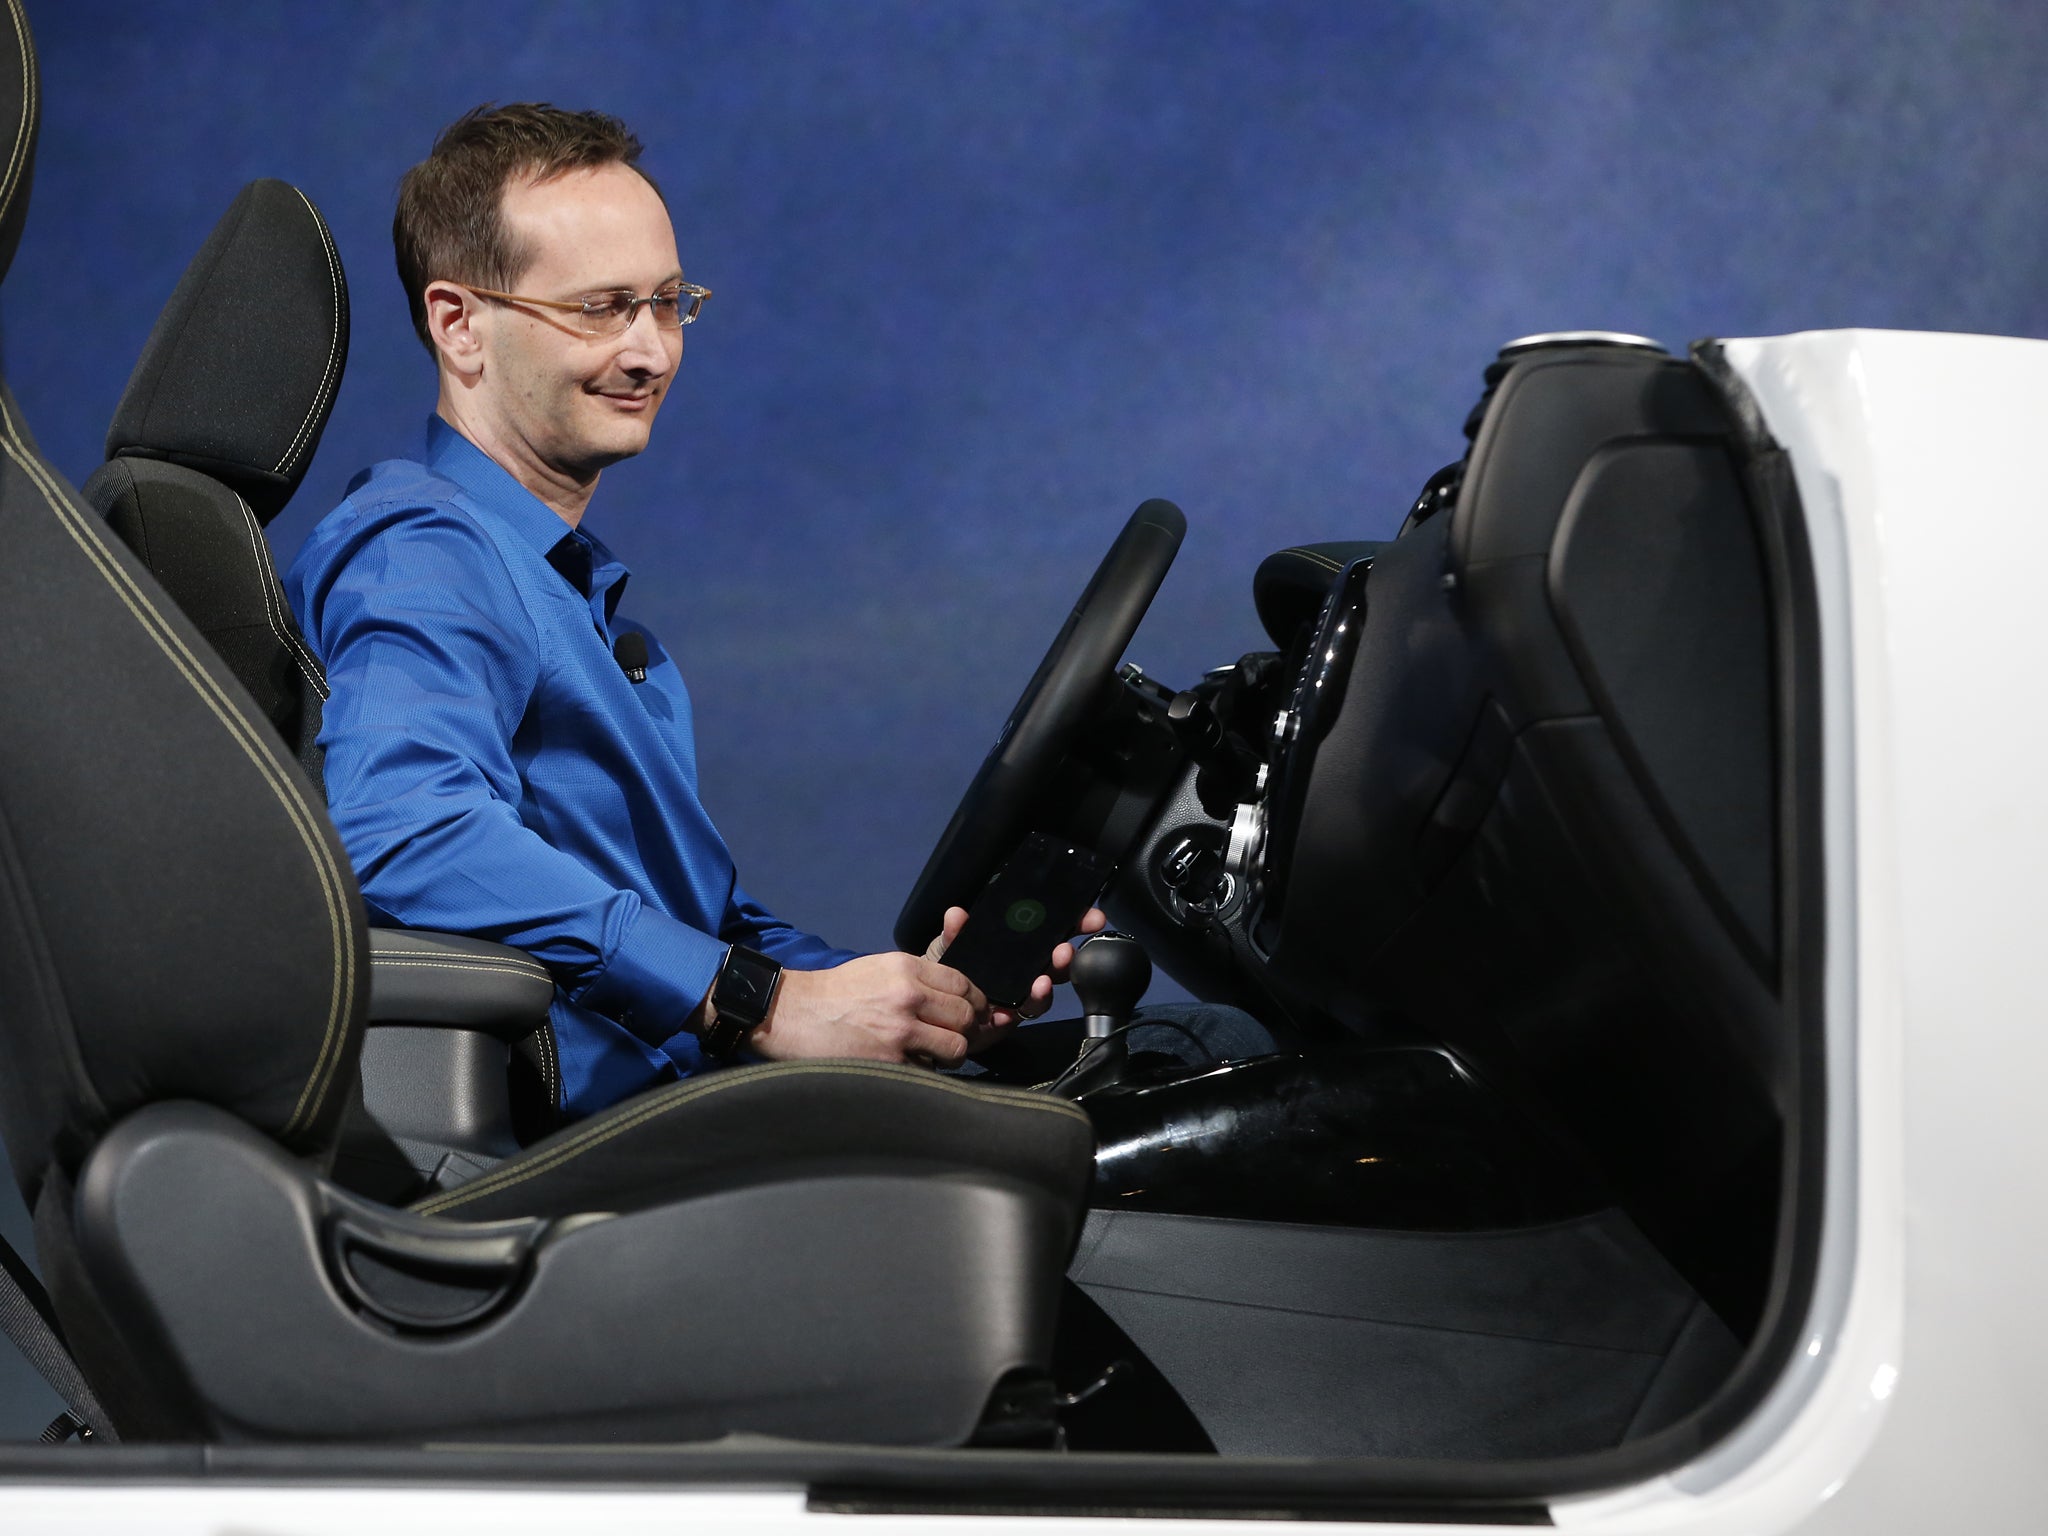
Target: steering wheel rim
x,y
1041,729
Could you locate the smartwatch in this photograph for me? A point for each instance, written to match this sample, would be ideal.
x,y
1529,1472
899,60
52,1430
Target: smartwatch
x,y
740,997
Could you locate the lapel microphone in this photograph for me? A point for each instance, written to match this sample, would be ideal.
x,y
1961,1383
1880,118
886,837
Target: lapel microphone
x,y
630,652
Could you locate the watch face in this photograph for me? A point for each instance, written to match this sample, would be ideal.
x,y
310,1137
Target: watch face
x,y
743,989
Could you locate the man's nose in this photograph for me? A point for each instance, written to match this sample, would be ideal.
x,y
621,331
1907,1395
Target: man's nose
x,y
645,347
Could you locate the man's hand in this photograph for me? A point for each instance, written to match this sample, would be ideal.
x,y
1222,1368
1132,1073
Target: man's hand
x,y
1001,1021
898,1008
887,1007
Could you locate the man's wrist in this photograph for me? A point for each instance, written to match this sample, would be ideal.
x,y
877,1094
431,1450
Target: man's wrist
x,y
739,1001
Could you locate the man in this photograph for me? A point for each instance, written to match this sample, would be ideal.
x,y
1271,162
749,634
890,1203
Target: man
x,y
491,765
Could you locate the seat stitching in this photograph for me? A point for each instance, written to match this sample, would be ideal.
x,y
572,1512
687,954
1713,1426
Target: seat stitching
x,y
333,333
523,967
384,963
29,92
341,995
553,1063
569,1153
1320,559
273,604
459,963
685,1093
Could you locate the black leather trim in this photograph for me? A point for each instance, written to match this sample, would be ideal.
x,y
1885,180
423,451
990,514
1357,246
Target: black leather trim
x,y
442,978
727,1128
135,854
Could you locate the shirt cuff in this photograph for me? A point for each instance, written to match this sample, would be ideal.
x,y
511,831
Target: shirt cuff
x,y
657,976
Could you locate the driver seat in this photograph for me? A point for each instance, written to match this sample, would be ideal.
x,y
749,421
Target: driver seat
x,y
183,991
210,441
217,428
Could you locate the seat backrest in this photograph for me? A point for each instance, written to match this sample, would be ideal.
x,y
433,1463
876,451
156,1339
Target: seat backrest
x,y
1571,697
177,918
216,429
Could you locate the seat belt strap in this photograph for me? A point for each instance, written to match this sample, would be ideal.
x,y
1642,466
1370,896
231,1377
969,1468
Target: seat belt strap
x,y
28,1319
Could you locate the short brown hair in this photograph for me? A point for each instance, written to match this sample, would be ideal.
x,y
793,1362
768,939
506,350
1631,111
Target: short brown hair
x,y
450,221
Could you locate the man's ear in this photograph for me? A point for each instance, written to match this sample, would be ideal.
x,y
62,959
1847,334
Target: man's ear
x,y
453,316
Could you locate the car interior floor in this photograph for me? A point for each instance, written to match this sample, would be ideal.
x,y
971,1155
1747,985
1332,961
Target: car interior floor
x,y
1297,1340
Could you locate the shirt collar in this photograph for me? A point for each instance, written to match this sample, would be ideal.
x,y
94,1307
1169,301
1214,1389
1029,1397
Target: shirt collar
x,y
451,454
492,486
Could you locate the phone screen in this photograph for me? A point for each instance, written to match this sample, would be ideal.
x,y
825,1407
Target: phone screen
x,y
1034,904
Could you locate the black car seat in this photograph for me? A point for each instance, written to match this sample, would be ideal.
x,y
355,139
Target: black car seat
x,y
211,439
183,989
1581,689
216,430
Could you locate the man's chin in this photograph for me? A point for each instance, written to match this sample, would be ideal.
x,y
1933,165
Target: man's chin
x,y
619,439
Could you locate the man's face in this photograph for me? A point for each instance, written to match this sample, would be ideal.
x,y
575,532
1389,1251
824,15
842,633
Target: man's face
x,y
577,403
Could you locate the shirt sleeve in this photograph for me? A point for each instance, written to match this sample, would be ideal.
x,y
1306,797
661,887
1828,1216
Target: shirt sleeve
x,y
748,922
432,659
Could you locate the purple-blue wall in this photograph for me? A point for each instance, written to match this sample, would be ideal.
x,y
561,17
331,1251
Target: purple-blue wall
x,y
988,274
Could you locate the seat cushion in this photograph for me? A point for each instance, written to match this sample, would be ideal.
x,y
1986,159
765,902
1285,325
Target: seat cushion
x,y
728,1129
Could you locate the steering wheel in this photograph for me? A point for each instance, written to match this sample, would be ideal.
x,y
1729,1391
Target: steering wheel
x,y
1041,730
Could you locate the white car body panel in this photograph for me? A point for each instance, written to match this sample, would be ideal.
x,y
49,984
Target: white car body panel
x,y
1918,1402
1917,458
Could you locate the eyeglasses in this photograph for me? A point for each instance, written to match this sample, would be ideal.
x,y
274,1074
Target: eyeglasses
x,y
674,305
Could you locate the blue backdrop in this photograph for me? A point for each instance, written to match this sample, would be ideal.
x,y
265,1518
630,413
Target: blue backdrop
x,y
989,274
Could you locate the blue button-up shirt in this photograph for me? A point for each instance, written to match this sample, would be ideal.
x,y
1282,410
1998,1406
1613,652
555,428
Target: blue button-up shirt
x,y
493,771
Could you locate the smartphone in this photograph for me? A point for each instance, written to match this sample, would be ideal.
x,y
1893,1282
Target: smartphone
x,y
1034,904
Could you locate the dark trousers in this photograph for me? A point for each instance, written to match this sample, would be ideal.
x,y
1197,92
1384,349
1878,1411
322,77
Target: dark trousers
x,y
1191,1034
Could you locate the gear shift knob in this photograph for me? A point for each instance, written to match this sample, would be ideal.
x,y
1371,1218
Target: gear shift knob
x,y
1110,974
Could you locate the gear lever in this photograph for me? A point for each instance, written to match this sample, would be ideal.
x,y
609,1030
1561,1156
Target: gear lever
x,y
1110,974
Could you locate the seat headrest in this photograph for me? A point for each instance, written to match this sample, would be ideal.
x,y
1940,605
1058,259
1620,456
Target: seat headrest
x,y
20,114
240,373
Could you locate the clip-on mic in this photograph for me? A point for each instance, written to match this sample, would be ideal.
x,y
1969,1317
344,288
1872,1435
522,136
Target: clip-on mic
x,y
630,652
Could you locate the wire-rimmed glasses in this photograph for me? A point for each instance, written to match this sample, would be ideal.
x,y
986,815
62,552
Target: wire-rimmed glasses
x,y
611,312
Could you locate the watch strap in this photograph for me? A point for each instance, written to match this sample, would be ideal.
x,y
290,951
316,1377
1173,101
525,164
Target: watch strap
x,y
741,995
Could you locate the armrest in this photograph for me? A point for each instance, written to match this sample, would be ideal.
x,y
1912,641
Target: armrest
x,y
432,1107
440,978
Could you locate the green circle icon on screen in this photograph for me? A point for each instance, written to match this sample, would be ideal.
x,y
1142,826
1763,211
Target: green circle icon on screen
x,y
1025,915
